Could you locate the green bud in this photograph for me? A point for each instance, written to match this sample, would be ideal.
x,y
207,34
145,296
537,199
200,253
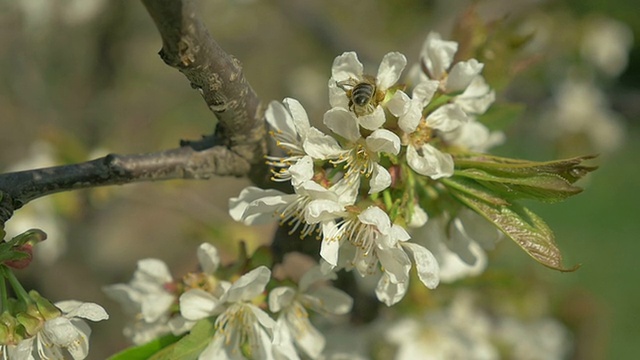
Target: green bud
x,y
32,324
45,307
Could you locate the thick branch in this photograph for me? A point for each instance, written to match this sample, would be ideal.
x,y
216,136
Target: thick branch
x,y
188,47
185,162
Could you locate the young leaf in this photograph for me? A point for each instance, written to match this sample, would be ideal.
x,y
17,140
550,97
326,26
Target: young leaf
x,y
191,345
513,179
522,226
145,351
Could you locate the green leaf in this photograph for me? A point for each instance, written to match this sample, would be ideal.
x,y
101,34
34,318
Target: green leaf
x,y
472,188
523,226
191,345
513,179
145,351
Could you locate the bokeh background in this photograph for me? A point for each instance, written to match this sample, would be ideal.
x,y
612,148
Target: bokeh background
x,y
82,78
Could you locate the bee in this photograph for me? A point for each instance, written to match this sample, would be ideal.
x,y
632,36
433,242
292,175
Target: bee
x,y
363,95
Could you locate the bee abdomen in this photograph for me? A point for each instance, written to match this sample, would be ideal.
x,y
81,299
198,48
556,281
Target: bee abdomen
x,y
362,94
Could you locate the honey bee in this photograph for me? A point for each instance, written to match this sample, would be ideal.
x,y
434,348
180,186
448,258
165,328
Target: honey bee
x,y
363,95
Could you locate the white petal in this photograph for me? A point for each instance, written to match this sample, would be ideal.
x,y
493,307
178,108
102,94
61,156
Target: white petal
x,y
426,264
238,205
462,74
423,92
263,318
301,171
85,310
419,217
388,292
179,325
156,305
197,304
283,342
399,233
337,96
208,258
152,271
398,103
410,120
261,211
346,66
374,120
437,55
279,118
430,161
375,216
249,285
447,117
343,123
330,245
331,300
380,179
383,140
299,115
323,210
314,275
321,146
281,297
390,69
396,264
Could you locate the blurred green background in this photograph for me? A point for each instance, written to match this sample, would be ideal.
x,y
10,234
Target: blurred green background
x,y
82,78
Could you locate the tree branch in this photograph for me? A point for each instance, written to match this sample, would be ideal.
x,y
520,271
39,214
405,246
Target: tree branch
x,y
186,162
237,148
188,47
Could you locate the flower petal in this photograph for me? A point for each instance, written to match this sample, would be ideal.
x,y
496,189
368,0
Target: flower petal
x,y
426,264
301,171
281,297
390,69
447,118
321,146
430,161
299,116
374,120
208,258
330,300
249,285
388,292
383,140
343,123
437,55
279,118
238,205
462,74
396,264
85,310
197,304
346,66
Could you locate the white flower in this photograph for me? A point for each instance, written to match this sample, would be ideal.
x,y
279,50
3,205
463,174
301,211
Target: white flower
x,y
147,299
474,136
359,155
348,70
606,43
458,332
437,56
65,334
582,109
289,127
238,321
373,240
293,320
459,244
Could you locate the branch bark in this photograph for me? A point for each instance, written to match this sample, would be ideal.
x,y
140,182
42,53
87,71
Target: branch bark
x,y
188,47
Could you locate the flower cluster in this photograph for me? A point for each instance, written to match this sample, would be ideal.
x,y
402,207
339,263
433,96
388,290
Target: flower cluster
x,y
238,309
362,186
41,330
